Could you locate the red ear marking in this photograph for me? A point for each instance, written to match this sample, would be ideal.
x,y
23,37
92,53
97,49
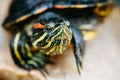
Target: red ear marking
x,y
38,26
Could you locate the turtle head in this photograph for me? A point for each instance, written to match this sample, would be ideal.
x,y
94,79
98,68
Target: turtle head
x,y
52,35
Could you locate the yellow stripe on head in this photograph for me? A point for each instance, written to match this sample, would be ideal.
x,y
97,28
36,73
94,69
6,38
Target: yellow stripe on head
x,y
52,50
48,45
39,39
56,34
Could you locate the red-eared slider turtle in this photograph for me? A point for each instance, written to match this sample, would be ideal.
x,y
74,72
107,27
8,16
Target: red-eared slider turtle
x,y
47,27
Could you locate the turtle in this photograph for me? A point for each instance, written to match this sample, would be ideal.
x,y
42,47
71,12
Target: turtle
x,y
44,28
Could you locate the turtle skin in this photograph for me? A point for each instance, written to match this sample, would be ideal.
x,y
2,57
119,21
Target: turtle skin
x,y
48,27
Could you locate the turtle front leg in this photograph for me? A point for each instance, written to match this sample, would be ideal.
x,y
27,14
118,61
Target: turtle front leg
x,y
79,47
24,55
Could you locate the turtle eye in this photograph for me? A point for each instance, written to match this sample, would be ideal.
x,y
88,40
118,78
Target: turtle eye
x,y
38,26
50,26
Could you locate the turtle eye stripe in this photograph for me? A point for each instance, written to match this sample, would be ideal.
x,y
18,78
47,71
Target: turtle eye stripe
x,y
38,26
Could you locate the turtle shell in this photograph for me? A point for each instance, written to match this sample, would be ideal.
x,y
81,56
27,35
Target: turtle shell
x,y
20,10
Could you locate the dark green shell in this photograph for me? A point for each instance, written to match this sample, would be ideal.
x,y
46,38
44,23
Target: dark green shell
x,y
21,10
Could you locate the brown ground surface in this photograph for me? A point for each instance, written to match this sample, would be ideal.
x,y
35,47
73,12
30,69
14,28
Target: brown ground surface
x,y
101,61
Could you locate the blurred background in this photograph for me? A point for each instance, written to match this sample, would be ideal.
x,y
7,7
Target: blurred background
x,y
101,61
118,1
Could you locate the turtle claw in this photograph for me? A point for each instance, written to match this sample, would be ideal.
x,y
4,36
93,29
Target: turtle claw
x,y
43,73
79,65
